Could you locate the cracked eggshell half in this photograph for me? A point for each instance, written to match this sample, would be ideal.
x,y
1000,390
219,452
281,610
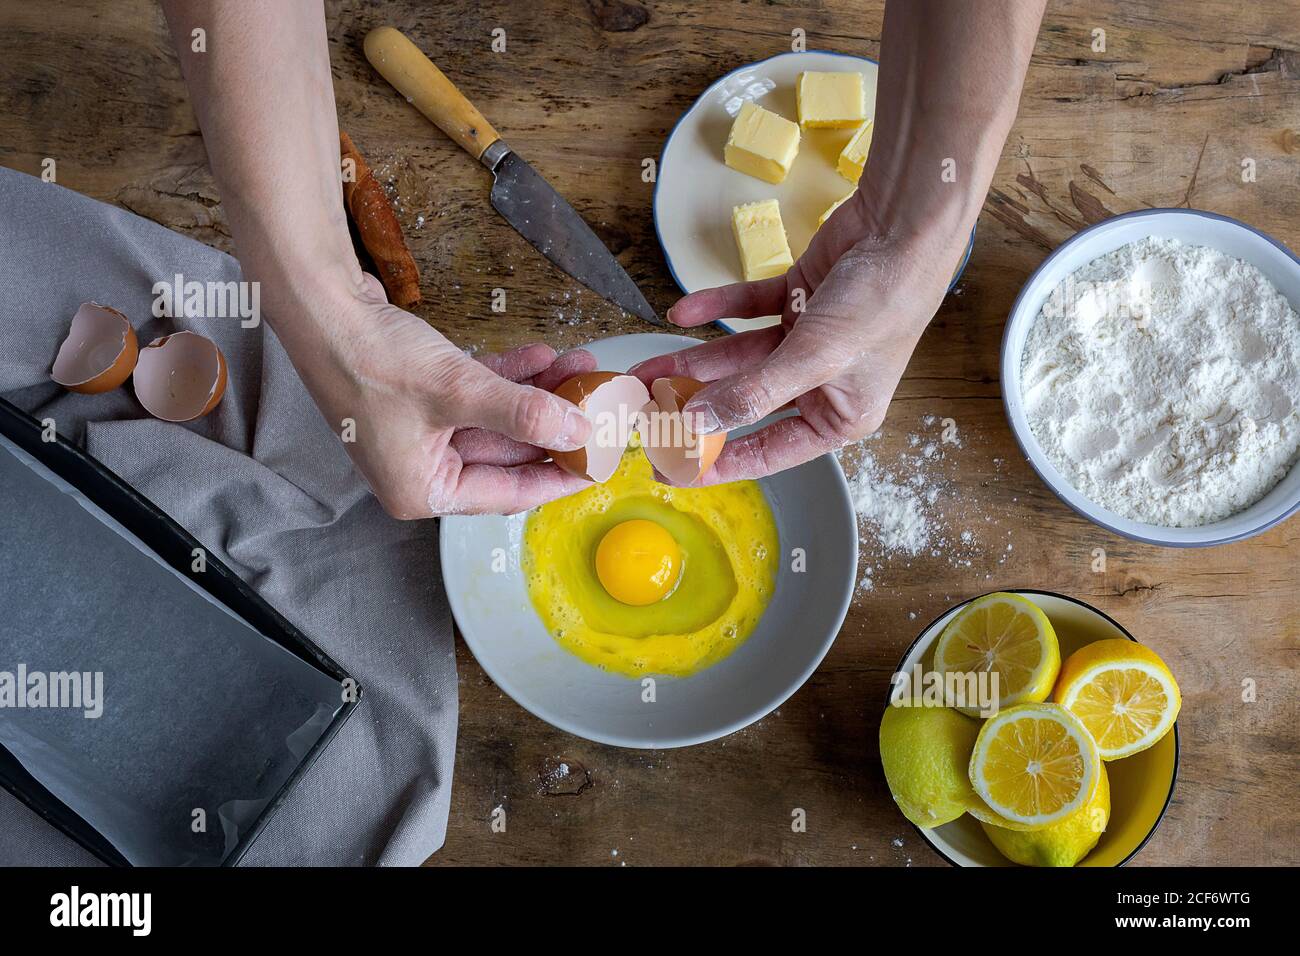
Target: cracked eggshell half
x,y
612,402
676,452
99,353
180,377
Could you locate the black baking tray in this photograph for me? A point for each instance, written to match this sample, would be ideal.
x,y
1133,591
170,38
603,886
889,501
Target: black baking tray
x,y
302,680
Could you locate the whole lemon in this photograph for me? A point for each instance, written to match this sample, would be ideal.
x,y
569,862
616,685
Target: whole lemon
x,y
925,752
1063,843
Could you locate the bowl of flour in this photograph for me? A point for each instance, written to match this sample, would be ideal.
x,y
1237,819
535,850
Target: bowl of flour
x,y
1151,374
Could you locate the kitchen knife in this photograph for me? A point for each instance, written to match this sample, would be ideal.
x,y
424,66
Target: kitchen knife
x,y
525,199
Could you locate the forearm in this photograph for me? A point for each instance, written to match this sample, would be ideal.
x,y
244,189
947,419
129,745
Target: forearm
x,y
949,85
265,101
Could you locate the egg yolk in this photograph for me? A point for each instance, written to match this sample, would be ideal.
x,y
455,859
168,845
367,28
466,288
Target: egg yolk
x,y
638,562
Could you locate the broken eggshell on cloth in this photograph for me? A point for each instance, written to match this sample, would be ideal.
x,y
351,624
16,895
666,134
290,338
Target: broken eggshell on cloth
x,y
265,484
177,377
180,377
100,352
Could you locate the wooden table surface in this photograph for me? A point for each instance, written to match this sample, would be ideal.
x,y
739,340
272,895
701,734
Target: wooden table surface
x,y
1185,97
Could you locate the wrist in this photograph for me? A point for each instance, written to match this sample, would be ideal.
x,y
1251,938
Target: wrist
x,y
304,283
296,259
938,221
311,297
915,240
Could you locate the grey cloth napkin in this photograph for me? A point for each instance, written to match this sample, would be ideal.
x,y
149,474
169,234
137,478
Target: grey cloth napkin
x,y
264,484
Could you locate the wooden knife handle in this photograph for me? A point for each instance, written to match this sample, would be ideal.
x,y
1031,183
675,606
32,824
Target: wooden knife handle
x,y
413,75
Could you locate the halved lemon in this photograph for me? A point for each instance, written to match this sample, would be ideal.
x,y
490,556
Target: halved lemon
x,y
1063,843
1035,764
982,812
1123,693
1007,635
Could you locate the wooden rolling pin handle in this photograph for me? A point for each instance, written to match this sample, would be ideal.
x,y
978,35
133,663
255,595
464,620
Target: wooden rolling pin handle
x,y
425,86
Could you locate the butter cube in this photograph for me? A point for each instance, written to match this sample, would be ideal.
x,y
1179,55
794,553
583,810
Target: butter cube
x,y
760,237
853,158
821,220
830,100
761,144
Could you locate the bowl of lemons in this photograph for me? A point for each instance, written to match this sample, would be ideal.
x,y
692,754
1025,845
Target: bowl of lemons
x,y
1029,728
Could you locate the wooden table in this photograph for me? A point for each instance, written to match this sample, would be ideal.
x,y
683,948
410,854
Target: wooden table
x,y
1183,96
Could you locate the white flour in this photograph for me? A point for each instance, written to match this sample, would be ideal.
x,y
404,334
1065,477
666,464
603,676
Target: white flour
x,y
897,509
910,509
1163,381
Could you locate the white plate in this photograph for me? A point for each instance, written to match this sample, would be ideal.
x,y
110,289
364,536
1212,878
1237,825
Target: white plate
x,y
812,510
695,190
1278,263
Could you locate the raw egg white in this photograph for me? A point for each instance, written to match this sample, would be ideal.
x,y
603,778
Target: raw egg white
x,y
638,578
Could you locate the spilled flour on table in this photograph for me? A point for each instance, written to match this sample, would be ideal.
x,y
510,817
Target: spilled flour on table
x,y
910,508
897,508
550,777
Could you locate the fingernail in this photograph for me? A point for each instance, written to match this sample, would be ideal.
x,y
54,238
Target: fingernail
x,y
574,431
701,417
640,367
669,314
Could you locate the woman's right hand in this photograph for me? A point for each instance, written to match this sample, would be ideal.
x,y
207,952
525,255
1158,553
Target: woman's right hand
x,y
434,431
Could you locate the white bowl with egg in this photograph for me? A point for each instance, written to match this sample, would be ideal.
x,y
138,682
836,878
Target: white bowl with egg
x,y
1274,260
489,598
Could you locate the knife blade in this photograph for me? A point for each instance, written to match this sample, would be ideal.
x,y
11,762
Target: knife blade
x,y
527,201
543,217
